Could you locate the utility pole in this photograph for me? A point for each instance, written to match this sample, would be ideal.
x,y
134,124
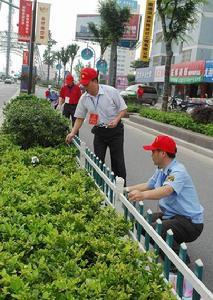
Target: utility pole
x,y
32,42
9,38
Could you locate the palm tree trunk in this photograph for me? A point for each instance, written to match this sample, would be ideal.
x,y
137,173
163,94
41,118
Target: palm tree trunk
x,y
48,73
113,64
167,87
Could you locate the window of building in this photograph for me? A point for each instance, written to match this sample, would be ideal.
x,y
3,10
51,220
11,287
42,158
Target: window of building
x,y
186,55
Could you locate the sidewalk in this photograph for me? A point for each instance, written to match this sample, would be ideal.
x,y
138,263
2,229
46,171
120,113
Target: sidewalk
x,y
194,141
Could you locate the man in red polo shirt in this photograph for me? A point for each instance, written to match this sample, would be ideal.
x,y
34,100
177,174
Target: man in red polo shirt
x,y
70,94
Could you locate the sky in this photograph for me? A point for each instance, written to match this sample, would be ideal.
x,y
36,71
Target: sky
x,y
62,23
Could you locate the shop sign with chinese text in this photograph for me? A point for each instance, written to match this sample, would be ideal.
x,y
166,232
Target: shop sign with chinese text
x,y
25,21
147,31
42,28
208,77
188,72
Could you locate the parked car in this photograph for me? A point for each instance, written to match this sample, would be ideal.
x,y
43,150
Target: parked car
x,y
150,95
8,81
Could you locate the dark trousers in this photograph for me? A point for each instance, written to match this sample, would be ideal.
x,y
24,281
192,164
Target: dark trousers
x,y
114,139
69,111
183,229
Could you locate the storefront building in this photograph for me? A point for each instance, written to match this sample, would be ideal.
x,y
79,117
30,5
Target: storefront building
x,y
192,79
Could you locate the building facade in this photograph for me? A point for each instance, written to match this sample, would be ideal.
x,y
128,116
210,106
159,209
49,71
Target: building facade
x,y
191,71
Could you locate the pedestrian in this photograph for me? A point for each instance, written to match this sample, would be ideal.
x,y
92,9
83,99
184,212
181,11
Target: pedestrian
x,y
105,107
179,205
140,92
47,92
70,94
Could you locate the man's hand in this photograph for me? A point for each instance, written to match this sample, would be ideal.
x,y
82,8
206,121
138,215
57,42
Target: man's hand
x,y
136,195
113,123
69,138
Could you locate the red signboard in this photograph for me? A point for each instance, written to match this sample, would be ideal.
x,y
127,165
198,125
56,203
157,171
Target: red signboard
x,y
25,20
132,28
188,69
25,58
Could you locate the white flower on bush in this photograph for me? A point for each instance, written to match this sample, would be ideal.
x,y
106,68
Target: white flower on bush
x,y
34,160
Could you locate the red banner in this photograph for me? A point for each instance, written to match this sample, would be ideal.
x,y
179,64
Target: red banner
x,y
25,57
25,21
132,28
186,69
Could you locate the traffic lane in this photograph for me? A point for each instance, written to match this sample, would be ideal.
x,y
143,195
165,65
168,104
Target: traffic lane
x,y
140,167
7,91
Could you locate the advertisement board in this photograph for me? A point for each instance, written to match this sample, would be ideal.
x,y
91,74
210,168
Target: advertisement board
x,y
208,76
159,74
42,24
129,38
188,72
144,75
147,31
25,21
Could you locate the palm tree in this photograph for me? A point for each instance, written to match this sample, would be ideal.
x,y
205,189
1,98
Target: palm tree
x,y
72,51
64,58
48,56
58,60
101,36
114,18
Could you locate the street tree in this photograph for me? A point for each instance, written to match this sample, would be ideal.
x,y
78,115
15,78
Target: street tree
x,y
72,51
64,58
177,17
114,18
58,61
49,55
101,36
78,68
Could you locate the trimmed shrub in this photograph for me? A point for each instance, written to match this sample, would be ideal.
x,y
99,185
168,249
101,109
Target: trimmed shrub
x,y
177,119
31,121
203,115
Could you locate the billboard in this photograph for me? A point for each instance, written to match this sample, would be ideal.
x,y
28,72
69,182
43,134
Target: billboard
x,y
25,21
42,24
147,31
209,71
187,72
130,36
132,4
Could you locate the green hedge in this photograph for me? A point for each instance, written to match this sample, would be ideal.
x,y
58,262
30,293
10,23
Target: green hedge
x,y
58,242
177,119
32,121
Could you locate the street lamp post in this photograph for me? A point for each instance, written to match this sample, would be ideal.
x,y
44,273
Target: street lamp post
x,y
32,42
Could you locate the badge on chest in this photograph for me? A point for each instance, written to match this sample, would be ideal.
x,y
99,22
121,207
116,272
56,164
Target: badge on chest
x,y
93,119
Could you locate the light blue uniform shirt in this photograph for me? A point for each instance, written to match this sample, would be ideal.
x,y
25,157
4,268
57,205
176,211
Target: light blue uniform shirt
x,y
107,104
184,200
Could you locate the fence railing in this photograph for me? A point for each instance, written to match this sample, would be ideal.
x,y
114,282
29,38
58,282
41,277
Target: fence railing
x,y
112,189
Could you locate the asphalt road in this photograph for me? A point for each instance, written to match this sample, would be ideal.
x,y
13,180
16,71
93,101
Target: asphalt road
x,y
140,168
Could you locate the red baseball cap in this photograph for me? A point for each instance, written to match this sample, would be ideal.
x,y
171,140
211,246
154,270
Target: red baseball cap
x,y
164,143
88,74
69,79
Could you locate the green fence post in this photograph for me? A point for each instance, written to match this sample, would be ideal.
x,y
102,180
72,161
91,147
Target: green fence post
x,y
147,237
167,263
199,273
139,226
182,255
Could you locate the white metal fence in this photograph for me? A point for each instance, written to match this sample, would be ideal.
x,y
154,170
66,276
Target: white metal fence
x,y
112,188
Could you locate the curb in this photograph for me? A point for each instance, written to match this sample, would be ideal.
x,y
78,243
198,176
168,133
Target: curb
x,y
187,139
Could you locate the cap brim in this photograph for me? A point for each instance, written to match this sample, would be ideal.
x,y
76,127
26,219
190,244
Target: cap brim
x,y
84,82
149,147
